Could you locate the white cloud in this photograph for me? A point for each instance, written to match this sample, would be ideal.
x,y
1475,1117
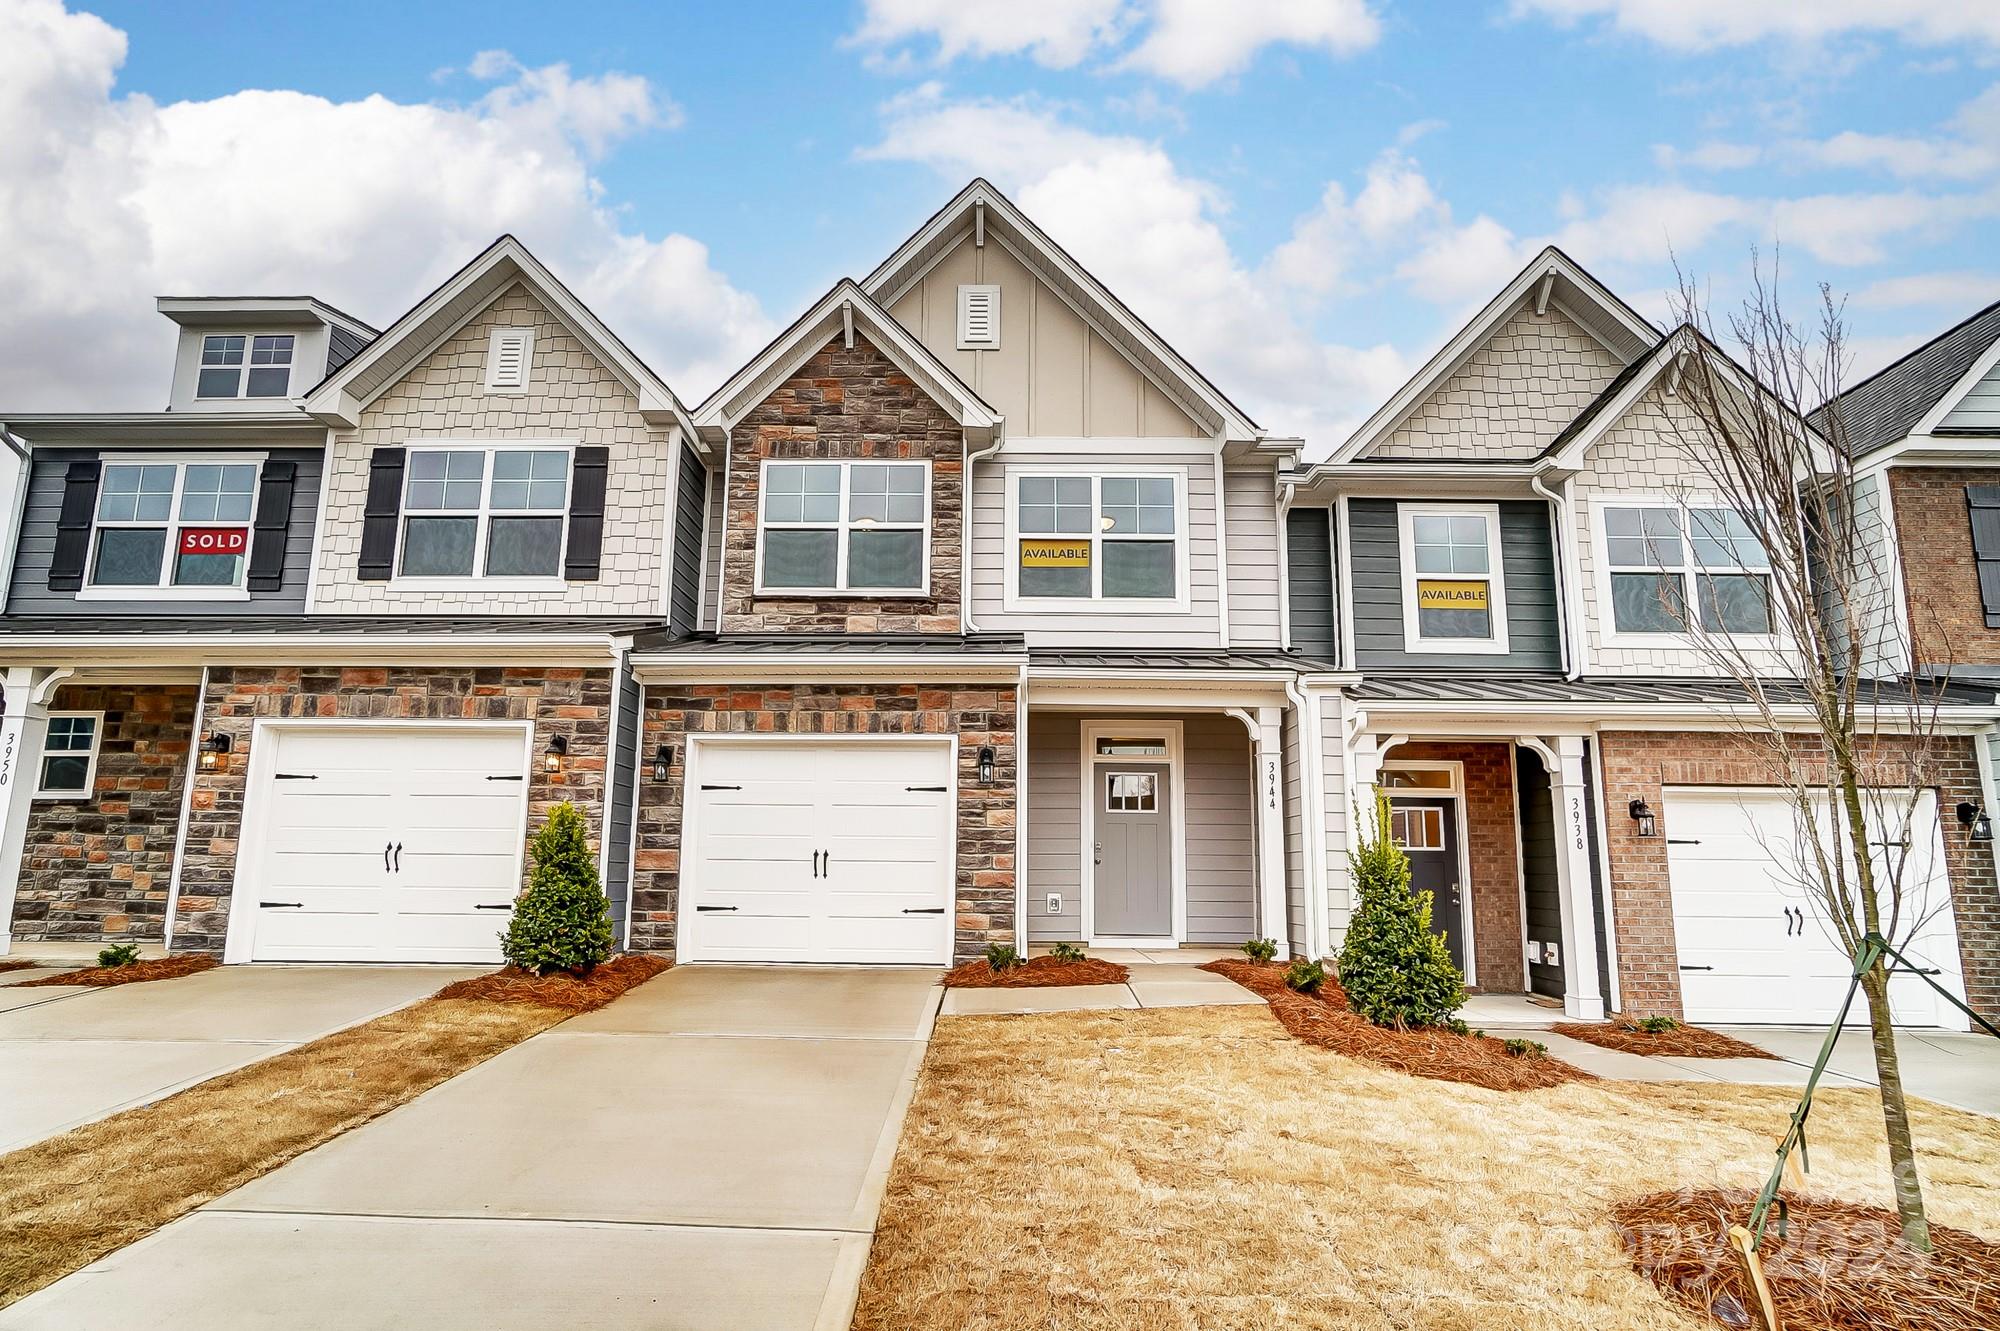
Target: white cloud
x,y
1696,25
1327,243
1464,264
1965,147
107,200
1947,290
1712,156
1195,42
1056,33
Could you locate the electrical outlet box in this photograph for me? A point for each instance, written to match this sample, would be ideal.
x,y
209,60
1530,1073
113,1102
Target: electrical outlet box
x,y
1552,954
1055,903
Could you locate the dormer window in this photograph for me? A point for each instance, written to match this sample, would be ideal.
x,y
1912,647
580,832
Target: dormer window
x,y
245,365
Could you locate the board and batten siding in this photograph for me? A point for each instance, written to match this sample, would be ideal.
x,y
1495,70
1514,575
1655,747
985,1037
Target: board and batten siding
x,y
1534,637
1309,570
1095,623
1250,515
690,503
30,593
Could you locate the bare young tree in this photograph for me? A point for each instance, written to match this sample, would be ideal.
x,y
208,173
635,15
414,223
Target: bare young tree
x,y
1847,727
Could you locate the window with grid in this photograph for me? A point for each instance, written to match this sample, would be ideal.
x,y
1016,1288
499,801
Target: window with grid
x,y
245,365
1080,537
1451,585
173,524
477,512
1664,558
69,755
851,527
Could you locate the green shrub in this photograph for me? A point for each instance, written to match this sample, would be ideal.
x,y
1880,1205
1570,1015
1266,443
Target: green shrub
x,y
1001,957
563,921
1457,1026
1656,1025
118,954
1525,1048
1068,952
1305,976
1395,968
1261,949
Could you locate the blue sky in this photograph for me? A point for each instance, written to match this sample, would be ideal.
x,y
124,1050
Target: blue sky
x,y
1306,196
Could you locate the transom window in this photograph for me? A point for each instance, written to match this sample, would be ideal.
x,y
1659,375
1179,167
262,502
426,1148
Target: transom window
x,y
491,512
69,756
1454,599
1664,558
245,365
1086,537
173,523
850,527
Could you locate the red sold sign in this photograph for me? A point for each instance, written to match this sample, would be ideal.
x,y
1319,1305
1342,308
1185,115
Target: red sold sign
x,y
214,540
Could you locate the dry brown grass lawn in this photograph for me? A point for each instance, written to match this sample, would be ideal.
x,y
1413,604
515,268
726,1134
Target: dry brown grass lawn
x,y
69,1200
1198,1167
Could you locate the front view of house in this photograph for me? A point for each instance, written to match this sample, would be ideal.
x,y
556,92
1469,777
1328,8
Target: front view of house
x,y
967,612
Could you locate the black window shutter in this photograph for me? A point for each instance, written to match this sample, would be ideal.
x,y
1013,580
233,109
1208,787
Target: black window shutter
x,y
1983,501
79,507
274,518
379,519
582,557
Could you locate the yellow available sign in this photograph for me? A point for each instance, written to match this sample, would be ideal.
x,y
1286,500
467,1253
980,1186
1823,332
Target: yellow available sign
x,y
1055,554
1434,595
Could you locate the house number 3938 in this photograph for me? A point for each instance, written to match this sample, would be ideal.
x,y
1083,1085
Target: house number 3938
x,y
1576,820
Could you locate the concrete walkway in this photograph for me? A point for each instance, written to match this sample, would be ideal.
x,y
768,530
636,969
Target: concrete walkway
x,y
1152,984
709,1152
69,1056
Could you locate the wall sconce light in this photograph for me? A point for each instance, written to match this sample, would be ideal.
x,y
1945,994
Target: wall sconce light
x,y
552,757
1972,816
214,748
985,764
663,762
1642,814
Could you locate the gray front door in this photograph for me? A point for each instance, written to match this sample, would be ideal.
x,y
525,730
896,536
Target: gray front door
x,y
1427,830
1133,866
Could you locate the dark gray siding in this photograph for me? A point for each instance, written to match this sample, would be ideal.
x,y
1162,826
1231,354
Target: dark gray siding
x,y
621,786
30,594
689,504
1309,570
1528,569
1538,868
341,347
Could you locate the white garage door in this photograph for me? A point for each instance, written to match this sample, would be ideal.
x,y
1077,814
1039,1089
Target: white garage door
x,y
1754,944
834,851
386,843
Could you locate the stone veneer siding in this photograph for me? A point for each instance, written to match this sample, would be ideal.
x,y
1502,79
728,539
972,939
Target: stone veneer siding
x,y
1940,576
1491,846
1638,763
976,714
844,403
100,868
572,702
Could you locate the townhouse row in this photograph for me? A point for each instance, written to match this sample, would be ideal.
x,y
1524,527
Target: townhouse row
x,y
968,611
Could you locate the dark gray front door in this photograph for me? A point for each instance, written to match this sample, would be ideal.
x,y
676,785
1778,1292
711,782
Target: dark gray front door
x,y
1427,830
1133,866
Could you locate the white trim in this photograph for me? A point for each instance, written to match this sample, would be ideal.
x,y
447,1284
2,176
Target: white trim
x,y
239,943
1095,604
1456,793
1175,763
642,772
1521,858
483,516
1495,577
611,775
1222,556
843,526
721,535
187,807
222,647
1343,580
89,790
518,385
1601,864
1608,633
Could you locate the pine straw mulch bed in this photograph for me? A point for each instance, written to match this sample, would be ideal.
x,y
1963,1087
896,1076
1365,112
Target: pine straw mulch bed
x,y
137,972
1840,1267
1325,1020
1036,973
16,965
562,991
1682,1041
69,1200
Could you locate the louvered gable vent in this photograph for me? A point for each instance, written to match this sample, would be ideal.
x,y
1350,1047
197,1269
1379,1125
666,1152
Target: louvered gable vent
x,y
978,317
507,359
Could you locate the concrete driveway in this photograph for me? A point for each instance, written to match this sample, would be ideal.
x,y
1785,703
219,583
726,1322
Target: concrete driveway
x,y
708,1152
69,1056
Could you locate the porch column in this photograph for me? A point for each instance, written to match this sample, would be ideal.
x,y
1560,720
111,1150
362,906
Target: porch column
x,y
1271,828
1583,994
23,730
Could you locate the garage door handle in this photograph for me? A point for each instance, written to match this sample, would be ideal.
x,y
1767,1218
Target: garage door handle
x,y
399,857
1912,970
937,789
387,846
270,905
815,864
706,908
1697,968
513,777
1683,841
709,787
294,776
923,910
490,905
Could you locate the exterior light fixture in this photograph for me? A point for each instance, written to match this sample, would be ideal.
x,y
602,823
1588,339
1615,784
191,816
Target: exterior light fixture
x,y
663,762
1972,816
552,757
1642,814
985,764
214,748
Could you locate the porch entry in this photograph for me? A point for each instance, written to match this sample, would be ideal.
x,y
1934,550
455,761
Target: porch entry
x,y
1424,819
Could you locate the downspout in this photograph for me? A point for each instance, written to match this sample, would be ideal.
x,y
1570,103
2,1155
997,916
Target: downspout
x,y
965,624
1572,667
722,537
1021,812
1312,817
1287,492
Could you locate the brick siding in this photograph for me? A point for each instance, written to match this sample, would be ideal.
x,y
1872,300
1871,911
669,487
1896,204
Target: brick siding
x,y
100,868
1638,764
976,714
1940,577
845,403
571,702
1491,851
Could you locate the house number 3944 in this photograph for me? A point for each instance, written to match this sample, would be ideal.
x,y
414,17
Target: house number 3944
x,y
1271,782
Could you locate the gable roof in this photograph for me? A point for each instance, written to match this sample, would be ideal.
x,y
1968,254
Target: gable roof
x,y
1549,276
980,209
844,307
341,396
1889,404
